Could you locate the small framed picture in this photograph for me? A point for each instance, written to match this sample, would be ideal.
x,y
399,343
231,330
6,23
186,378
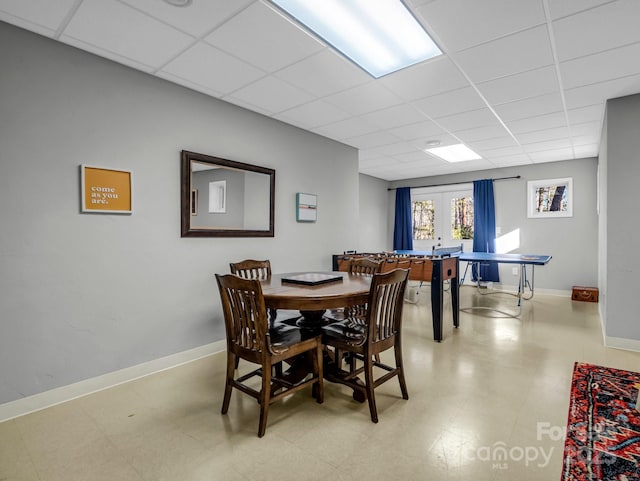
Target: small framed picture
x,y
550,198
306,207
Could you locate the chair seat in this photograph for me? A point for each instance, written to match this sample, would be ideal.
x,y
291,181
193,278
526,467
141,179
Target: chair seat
x,y
284,335
350,330
285,315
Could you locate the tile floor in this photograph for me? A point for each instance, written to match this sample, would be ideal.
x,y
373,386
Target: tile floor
x,y
496,385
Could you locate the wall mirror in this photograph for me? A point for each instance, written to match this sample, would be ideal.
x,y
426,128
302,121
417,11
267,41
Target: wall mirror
x,y
225,198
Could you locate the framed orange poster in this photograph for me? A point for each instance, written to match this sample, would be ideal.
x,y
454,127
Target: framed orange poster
x,y
106,191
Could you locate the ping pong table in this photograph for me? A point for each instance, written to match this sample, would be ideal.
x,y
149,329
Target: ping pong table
x,y
479,258
522,260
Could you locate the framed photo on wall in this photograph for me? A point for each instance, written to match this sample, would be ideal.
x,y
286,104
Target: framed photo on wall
x,y
550,198
105,190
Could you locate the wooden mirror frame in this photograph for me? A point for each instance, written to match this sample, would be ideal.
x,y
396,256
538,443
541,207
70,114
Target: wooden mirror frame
x,y
185,197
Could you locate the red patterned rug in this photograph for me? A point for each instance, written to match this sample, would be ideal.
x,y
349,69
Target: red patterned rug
x,y
603,431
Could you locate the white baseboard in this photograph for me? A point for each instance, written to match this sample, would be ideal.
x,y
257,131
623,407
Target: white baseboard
x,y
29,404
622,343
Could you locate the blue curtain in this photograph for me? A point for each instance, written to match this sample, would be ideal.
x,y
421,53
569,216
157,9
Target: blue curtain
x,y
403,227
484,228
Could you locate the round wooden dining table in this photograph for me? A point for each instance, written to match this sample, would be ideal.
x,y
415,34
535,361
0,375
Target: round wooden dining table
x,y
313,300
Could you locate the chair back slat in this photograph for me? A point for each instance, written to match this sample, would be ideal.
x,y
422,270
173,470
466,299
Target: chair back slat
x,y
244,311
364,265
251,269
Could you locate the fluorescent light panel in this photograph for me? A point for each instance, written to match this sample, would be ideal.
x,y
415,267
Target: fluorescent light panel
x,y
454,153
381,36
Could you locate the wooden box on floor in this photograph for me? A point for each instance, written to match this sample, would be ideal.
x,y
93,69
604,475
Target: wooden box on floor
x,y
586,294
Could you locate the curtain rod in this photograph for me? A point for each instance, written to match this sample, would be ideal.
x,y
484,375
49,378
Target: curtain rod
x,y
453,183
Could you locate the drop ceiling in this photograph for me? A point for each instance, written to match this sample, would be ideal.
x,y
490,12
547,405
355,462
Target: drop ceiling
x,y
520,81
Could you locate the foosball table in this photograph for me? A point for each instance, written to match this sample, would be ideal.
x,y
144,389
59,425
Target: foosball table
x,y
435,267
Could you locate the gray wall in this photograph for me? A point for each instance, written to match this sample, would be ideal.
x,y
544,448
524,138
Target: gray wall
x,y
374,212
87,294
572,241
622,178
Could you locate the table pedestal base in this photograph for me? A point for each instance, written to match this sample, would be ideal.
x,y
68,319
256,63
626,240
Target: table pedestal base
x,y
312,319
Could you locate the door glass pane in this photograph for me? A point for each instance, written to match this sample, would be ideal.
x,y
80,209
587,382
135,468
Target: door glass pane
x,y
462,218
423,218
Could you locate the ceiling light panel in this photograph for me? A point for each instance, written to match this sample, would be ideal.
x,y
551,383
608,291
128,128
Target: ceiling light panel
x,y
381,36
454,153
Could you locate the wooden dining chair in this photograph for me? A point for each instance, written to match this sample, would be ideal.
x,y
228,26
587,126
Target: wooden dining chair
x,y
363,266
261,270
381,330
250,338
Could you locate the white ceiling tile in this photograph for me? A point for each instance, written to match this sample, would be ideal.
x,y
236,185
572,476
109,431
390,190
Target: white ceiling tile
x,y
551,155
540,122
348,128
274,43
521,86
449,103
187,83
467,120
424,79
599,92
364,98
395,116
502,152
547,145
587,128
323,74
601,67
532,107
420,130
563,8
212,68
417,158
313,114
248,106
197,19
586,114
42,16
392,150
367,157
463,23
444,139
586,150
585,139
272,95
114,27
543,135
470,165
605,27
482,133
511,160
504,57
368,141
491,144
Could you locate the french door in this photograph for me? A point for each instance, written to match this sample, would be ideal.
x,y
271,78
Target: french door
x,y
442,218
